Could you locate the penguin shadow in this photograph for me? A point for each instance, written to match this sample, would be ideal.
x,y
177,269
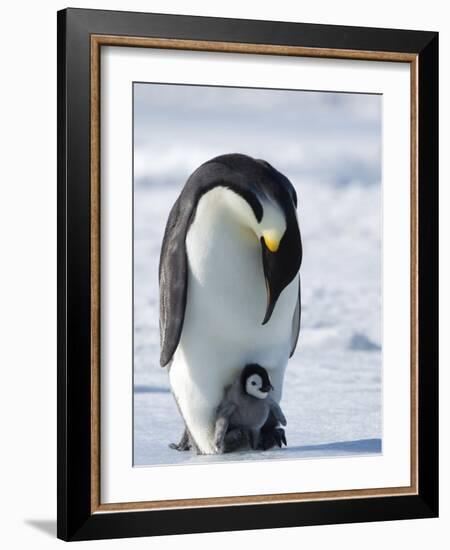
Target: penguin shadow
x,y
357,446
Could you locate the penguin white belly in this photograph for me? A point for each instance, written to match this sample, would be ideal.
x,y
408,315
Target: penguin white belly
x,y
222,329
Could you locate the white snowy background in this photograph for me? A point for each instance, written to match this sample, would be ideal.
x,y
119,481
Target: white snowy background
x,y
329,146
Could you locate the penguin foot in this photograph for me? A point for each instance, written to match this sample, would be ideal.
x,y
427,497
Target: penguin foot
x,y
234,440
184,444
179,447
272,438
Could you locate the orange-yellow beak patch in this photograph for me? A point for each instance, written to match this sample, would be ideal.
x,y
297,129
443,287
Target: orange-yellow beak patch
x,y
272,242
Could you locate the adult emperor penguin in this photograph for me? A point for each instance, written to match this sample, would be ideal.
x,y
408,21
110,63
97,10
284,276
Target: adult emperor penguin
x,y
229,287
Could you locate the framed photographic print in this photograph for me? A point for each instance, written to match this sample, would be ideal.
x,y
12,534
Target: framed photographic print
x,y
247,270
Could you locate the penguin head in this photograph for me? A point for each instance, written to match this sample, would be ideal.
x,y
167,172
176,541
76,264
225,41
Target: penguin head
x,y
264,202
255,381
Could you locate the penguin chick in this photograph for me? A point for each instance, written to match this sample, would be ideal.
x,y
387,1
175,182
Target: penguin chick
x,y
246,407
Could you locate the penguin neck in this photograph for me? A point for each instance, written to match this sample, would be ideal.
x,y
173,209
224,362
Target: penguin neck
x,y
218,229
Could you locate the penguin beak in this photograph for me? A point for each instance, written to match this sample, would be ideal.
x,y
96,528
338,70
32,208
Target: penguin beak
x,y
281,262
266,388
271,240
271,300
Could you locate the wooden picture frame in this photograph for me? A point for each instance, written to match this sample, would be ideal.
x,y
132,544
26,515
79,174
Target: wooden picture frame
x,y
81,35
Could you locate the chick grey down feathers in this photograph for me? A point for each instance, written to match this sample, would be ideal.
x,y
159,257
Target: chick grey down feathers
x,y
245,414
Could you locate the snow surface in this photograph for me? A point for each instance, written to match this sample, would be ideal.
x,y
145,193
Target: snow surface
x,y
329,147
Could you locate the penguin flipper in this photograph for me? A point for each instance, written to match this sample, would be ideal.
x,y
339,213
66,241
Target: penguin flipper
x,y
271,434
277,412
173,278
224,412
296,321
